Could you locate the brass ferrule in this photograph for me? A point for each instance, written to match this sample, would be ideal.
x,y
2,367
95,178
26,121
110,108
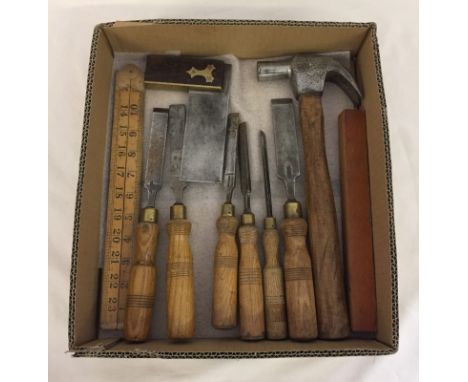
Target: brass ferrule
x,y
269,222
178,211
149,215
248,218
228,210
292,209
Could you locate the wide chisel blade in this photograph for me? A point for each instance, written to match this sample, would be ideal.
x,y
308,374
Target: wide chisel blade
x,y
287,149
153,162
176,139
205,134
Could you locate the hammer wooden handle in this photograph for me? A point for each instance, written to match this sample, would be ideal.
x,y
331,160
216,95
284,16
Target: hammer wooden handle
x,y
330,297
142,283
300,297
179,281
275,304
226,260
252,316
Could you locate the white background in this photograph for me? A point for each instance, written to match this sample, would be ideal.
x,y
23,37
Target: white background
x,y
70,28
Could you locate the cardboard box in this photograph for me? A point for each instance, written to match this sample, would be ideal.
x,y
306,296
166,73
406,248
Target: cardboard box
x,y
244,39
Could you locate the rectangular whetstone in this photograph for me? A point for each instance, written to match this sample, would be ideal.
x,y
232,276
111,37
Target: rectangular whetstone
x,y
357,223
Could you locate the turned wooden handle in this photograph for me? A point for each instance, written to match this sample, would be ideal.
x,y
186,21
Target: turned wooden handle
x,y
179,281
273,286
224,315
332,315
252,316
142,283
298,277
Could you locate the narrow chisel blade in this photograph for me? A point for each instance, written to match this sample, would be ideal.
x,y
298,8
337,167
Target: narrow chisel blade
x,y
266,173
205,135
244,165
154,155
287,149
229,177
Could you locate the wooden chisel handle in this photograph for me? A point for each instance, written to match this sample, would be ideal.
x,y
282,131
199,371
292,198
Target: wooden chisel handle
x,y
179,277
273,283
332,314
142,282
298,276
224,314
252,315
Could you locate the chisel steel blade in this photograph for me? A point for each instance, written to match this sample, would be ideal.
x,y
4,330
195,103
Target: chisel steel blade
x,y
154,161
205,135
266,173
176,138
244,165
229,176
286,145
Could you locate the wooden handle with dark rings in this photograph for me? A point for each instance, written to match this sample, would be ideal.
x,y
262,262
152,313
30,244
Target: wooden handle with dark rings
x,y
251,308
179,280
273,286
142,284
226,263
298,276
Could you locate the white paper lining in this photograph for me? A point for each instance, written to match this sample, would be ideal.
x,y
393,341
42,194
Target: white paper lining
x,y
251,99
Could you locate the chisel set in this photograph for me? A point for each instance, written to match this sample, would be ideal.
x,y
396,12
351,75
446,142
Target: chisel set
x,y
297,281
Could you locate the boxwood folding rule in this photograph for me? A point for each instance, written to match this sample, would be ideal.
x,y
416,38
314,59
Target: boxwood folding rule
x,y
123,195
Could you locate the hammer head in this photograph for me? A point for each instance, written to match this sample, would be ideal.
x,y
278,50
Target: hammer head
x,y
308,74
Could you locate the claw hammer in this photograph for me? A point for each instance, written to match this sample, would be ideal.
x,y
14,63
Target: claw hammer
x,y
308,74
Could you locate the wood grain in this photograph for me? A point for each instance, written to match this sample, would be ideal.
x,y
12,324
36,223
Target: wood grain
x,y
123,195
142,284
179,281
300,296
273,286
357,222
226,263
332,315
252,314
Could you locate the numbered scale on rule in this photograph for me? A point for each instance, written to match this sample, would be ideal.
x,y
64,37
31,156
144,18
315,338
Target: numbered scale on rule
x,y
123,196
